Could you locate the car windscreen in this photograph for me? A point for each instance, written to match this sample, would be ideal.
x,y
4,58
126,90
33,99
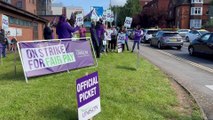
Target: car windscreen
x,y
171,35
203,32
152,31
183,31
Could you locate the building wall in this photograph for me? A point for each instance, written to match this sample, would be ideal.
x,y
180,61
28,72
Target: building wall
x,y
144,2
183,17
27,31
57,10
28,5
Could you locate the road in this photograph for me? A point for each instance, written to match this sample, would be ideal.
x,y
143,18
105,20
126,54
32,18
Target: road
x,y
193,73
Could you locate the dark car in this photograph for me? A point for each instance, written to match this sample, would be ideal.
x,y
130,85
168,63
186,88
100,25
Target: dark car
x,y
167,39
202,45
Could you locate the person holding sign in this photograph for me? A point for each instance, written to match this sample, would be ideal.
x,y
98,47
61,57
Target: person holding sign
x,y
137,37
121,39
64,29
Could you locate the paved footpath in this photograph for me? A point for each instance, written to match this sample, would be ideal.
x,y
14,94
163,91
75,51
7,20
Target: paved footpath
x,y
198,81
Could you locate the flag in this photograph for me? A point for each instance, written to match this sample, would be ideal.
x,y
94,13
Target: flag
x,y
89,14
72,17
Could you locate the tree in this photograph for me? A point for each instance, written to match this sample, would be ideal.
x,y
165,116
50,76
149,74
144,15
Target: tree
x,y
132,8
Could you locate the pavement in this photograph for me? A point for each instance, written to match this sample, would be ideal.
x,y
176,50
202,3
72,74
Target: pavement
x,y
195,78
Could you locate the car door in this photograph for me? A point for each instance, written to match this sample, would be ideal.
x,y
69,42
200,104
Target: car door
x,y
209,46
194,35
155,39
202,43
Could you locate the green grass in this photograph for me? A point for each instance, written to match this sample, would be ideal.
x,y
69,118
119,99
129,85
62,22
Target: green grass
x,y
126,93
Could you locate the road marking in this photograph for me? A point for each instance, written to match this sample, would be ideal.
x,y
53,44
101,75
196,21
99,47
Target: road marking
x,y
187,61
209,86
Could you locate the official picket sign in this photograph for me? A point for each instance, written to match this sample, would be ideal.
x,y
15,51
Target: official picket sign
x,y
88,96
47,57
128,22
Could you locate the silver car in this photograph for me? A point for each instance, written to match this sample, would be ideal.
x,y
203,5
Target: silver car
x,y
167,39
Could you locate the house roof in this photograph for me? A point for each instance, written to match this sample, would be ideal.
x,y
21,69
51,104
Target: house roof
x,y
9,7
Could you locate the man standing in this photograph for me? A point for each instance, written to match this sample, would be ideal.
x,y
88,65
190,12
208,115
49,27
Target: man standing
x,y
47,32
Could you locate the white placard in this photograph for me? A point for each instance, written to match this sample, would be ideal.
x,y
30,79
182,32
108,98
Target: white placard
x,y
5,22
18,32
91,109
79,19
128,22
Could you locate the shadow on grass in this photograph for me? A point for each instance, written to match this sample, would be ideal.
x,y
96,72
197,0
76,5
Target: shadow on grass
x,y
11,75
59,113
126,68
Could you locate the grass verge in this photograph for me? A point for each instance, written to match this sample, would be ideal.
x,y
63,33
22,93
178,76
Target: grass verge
x,y
126,93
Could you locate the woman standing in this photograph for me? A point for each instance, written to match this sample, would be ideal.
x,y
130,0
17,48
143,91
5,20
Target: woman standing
x,y
137,37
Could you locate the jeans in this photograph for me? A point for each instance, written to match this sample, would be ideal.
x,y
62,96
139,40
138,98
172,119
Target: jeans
x,y
4,50
135,42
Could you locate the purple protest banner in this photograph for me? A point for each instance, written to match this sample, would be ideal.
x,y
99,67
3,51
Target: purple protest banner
x,y
88,96
47,57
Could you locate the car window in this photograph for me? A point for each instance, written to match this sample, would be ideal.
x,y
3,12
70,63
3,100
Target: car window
x,y
211,39
203,32
152,32
171,35
205,37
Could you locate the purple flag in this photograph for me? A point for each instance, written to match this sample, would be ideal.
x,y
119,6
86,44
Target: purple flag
x,y
72,17
41,58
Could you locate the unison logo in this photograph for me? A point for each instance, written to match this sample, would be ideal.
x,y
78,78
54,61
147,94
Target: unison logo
x,y
89,111
82,53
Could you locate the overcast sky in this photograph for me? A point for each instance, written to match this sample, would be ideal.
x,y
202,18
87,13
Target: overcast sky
x,y
86,4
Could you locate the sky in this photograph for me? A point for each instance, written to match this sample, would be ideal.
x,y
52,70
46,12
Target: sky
x,y
86,4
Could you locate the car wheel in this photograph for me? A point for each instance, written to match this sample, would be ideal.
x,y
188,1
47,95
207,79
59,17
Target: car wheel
x,y
191,51
179,47
159,45
187,39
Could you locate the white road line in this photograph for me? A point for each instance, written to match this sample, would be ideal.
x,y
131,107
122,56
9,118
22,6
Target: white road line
x,y
209,86
187,61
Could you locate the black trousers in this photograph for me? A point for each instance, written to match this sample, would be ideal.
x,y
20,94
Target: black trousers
x,y
138,44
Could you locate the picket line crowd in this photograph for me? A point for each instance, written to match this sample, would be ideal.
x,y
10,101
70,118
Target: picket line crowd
x,y
105,38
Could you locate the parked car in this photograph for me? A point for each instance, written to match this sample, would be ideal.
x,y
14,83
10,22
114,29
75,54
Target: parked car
x,y
202,45
130,33
148,34
167,39
194,34
183,32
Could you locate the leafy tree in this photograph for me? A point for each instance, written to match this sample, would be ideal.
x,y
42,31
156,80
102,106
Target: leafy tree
x,y
130,9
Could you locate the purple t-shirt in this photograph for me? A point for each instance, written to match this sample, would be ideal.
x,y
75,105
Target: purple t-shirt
x,y
138,34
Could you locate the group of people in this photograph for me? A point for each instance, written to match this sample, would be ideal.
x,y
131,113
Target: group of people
x,y
6,43
105,38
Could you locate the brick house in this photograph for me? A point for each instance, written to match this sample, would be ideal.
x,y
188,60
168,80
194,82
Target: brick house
x,y
29,25
28,5
188,13
154,13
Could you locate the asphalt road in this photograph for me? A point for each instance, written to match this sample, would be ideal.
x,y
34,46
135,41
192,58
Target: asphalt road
x,y
193,73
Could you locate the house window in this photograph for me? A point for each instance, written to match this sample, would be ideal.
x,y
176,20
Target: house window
x,y
195,23
196,10
197,1
19,4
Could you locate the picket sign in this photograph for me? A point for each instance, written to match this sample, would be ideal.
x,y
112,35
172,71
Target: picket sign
x,y
128,22
68,58
79,19
88,96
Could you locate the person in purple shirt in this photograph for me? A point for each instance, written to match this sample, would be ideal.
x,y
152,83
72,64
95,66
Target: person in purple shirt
x,y
137,37
100,36
64,29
